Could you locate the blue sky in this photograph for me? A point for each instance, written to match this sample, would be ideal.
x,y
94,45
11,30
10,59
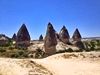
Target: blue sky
x,y
81,14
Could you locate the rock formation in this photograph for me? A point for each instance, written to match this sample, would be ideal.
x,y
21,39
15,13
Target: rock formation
x,y
14,37
64,35
77,39
79,44
23,37
57,35
41,38
76,36
50,40
4,40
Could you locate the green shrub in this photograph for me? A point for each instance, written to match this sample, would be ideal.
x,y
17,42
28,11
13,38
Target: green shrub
x,y
39,53
14,55
69,50
11,47
2,50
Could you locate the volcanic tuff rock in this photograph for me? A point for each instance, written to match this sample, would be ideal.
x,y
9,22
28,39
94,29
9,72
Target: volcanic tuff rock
x,y
64,35
76,36
77,39
50,41
79,44
23,36
4,37
14,37
4,40
41,38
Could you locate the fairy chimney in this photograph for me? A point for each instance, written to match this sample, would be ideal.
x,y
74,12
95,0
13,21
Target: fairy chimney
x,y
77,40
4,40
41,38
50,40
14,37
23,37
64,35
76,36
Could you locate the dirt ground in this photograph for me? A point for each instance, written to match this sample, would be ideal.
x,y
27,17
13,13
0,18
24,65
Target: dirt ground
x,y
84,63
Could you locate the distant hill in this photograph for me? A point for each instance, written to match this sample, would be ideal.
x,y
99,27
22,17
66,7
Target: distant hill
x,y
91,38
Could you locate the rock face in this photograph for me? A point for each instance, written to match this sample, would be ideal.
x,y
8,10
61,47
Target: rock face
x,y
76,36
14,37
64,35
23,37
41,38
50,40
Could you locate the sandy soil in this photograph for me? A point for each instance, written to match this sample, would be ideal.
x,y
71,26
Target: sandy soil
x,y
59,64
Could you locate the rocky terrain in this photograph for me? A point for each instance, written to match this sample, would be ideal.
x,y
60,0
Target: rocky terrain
x,y
55,54
81,63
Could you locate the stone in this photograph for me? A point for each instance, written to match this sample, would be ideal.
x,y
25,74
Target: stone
x,y
76,36
4,40
64,35
57,35
50,40
79,44
77,39
23,37
14,37
41,38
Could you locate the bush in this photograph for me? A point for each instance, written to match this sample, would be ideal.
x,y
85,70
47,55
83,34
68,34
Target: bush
x,y
61,51
39,53
69,50
2,50
14,55
66,50
22,48
11,47
98,42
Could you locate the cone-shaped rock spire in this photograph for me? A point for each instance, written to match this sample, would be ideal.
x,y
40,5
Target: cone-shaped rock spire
x,y
50,41
77,39
41,38
23,36
14,37
50,29
76,36
64,35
